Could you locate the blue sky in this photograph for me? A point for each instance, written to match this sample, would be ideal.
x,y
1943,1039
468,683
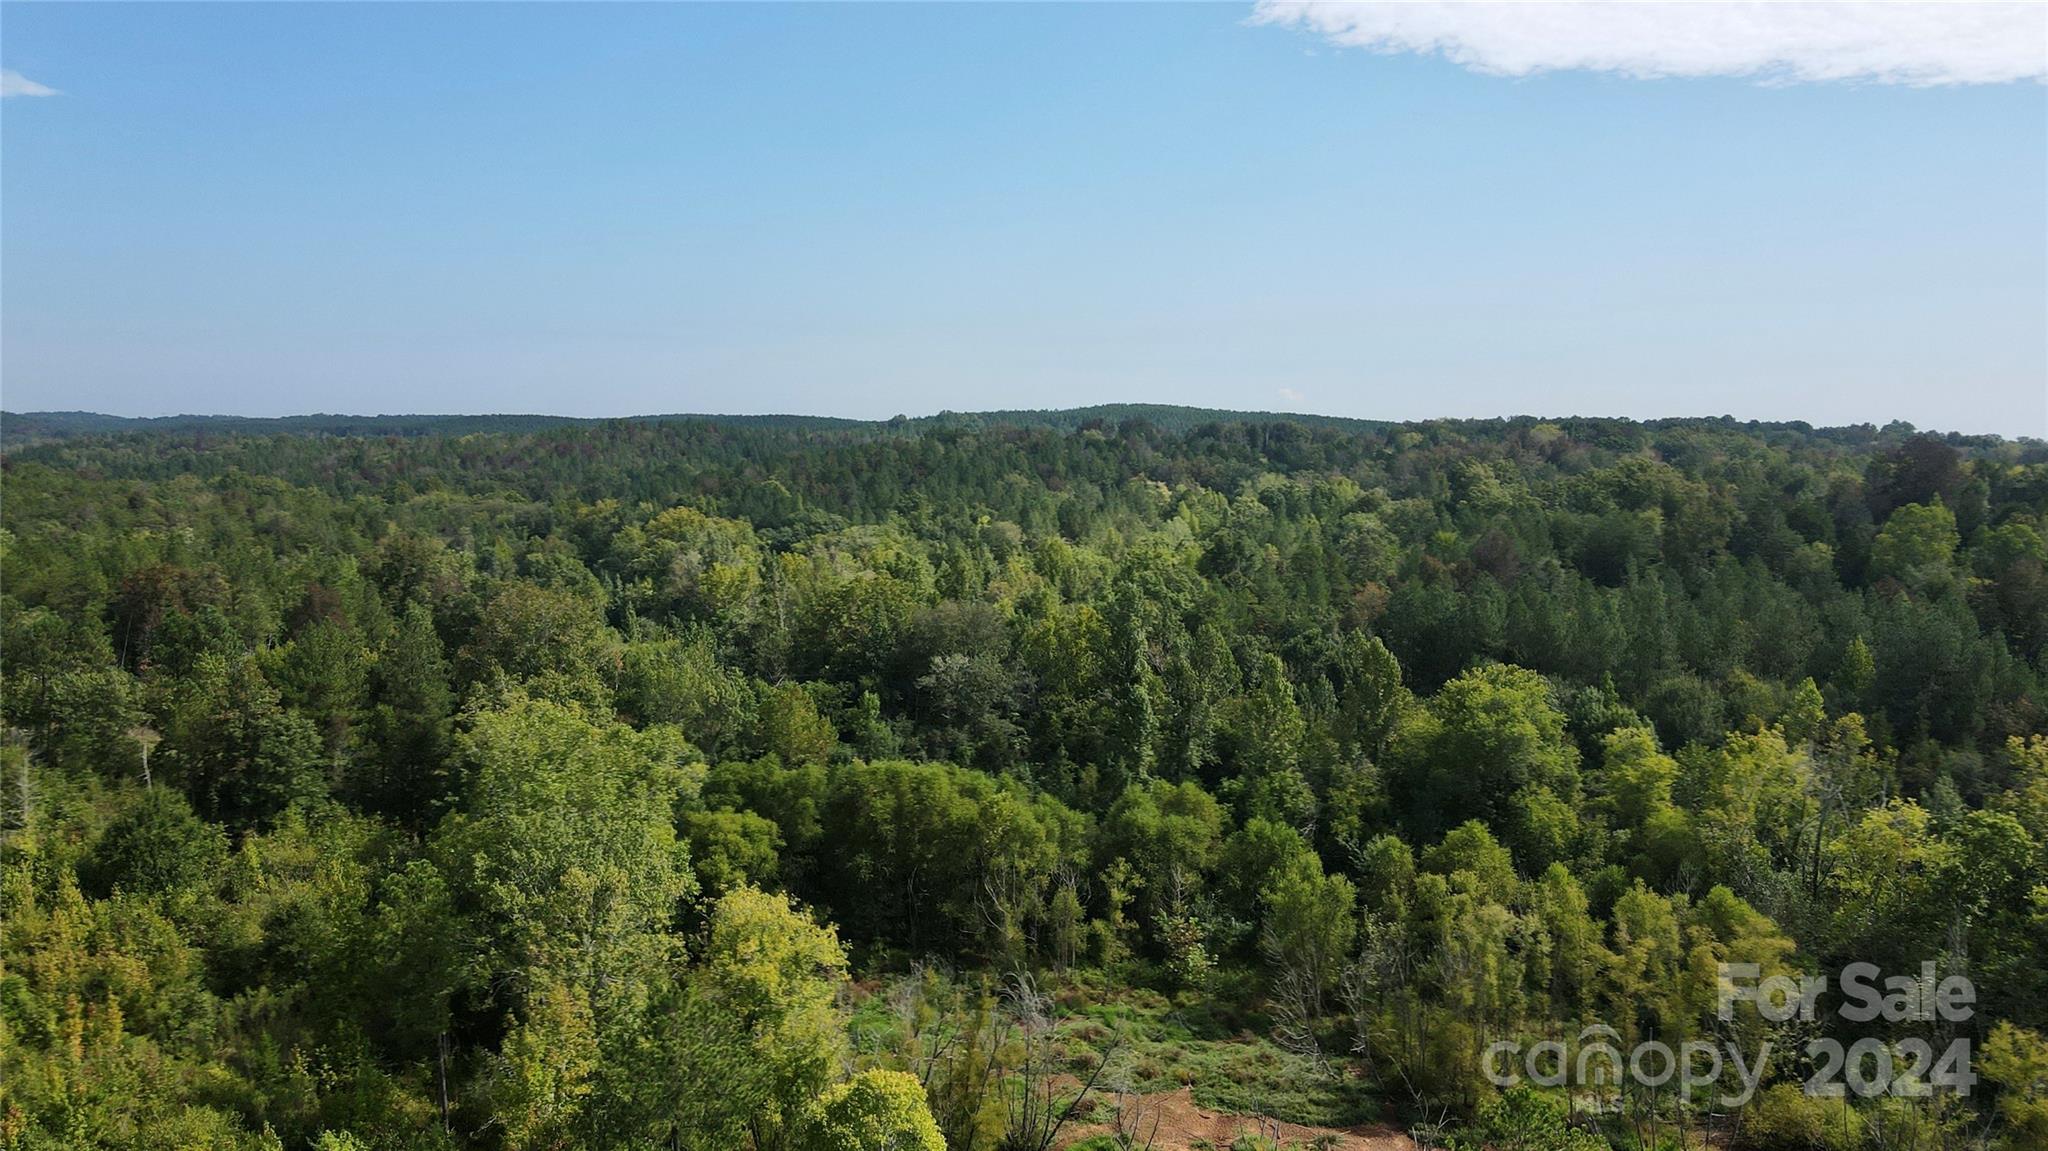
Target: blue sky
x,y
863,210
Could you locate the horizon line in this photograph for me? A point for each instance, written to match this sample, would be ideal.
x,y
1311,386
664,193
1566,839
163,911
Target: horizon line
x,y
1267,414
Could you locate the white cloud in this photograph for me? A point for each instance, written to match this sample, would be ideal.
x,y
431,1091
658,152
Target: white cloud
x,y
13,83
1890,43
1291,396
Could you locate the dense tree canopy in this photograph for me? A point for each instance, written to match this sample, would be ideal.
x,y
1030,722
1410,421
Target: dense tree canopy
x,y
705,784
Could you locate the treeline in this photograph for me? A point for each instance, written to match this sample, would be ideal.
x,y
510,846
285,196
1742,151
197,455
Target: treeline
x,y
569,786
24,428
19,429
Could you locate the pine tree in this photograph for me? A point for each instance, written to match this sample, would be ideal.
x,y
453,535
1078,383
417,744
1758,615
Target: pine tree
x,y
405,775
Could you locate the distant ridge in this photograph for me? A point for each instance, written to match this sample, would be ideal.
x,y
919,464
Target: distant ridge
x,y
26,427
22,429
18,428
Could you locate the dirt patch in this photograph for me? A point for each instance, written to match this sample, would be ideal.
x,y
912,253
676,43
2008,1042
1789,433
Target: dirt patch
x,y
1181,1123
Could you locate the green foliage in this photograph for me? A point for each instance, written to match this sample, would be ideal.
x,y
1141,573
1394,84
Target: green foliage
x,y
873,1111
791,728
1917,546
1475,861
552,640
682,682
234,749
156,847
1785,1118
404,776
1308,924
2017,1060
1520,1119
730,849
467,787
745,1044
1492,746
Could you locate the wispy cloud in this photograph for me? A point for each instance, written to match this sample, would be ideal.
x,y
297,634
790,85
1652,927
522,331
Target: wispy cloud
x,y
13,83
1291,396
1782,42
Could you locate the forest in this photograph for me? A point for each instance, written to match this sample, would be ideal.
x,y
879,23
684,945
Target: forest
x,y
984,783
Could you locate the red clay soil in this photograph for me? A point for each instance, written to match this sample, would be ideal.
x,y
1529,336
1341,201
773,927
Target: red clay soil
x,y
1181,1122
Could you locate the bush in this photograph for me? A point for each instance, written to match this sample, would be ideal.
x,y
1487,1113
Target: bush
x,y
1524,1120
1786,1118
873,1111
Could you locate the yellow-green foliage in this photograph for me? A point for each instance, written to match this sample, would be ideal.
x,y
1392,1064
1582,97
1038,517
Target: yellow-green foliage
x,y
2017,1060
873,1111
1785,1118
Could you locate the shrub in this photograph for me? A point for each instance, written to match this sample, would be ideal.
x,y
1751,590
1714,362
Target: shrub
x,y
873,1111
1786,1118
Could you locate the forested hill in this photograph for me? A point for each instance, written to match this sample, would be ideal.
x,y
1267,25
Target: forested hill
x,y
17,429
965,782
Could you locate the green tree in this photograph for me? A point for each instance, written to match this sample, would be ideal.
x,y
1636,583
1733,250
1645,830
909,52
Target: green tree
x,y
404,775
788,725
1267,734
236,751
566,855
731,849
1372,697
1171,833
1632,791
1309,921
1917,547
156,847
323,674
1474,861
552,640
753,1036
682,682
1487,740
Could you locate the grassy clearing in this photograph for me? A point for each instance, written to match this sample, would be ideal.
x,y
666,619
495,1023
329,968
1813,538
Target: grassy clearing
x,y
1169,1046
1162,1044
